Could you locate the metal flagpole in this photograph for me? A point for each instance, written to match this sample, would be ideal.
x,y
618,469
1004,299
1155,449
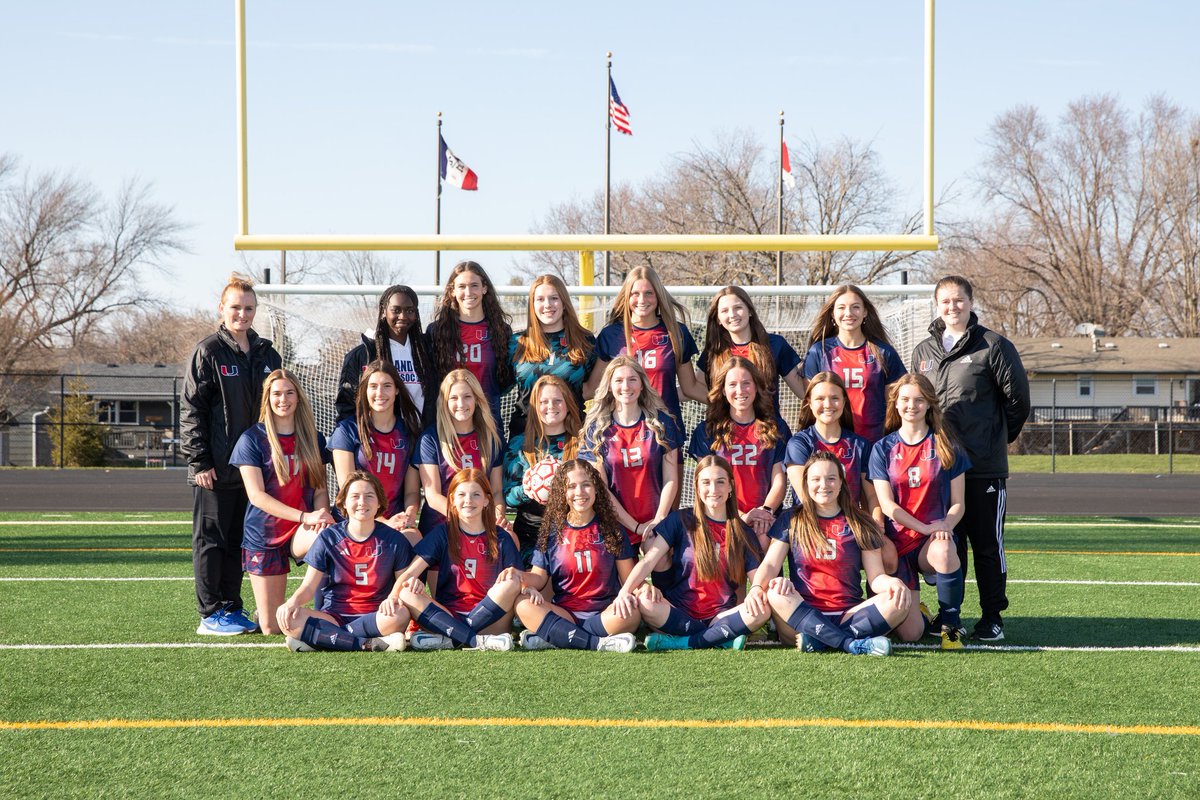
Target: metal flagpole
x,y
437,214
607,157
779,206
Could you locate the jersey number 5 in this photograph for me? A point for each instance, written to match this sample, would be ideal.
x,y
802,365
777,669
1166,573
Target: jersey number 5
x,y
360,574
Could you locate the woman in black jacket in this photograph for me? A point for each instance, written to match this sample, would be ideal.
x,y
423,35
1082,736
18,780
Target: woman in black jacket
x,y
221,397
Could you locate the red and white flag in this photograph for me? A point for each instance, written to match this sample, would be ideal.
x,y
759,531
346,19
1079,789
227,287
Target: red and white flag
x,y
618,111
785,167
454,171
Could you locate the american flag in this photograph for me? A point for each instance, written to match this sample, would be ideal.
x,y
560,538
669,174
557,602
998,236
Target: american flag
x,y
617,110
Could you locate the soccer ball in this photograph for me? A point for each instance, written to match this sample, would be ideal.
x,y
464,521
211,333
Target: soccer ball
x,y
538,478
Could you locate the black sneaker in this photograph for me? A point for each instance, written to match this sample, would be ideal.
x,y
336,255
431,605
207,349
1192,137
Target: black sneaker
x,y
990,632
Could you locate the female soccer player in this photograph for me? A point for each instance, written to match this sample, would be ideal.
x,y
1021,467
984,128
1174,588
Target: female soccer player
x,y
848,338
829,541
463,437
551,435
699,599
554,344
477,576
918,474
634,443
381,438
398,340
356,563
221,396
734,329
585,556
742,427
470,330
282,460
651,326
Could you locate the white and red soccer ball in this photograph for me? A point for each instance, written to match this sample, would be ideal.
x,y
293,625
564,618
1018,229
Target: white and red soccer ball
x,y
538,478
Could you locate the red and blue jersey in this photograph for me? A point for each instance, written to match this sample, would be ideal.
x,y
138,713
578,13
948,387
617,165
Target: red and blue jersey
x,y
920,485
831,579
680,585
652,349
479,356
582,572
389,462
752,461
429,451
865,377
633,463
463,582
782,354
261,530
850,449
358,575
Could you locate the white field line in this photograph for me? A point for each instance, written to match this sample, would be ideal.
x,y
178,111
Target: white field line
x,y
56,522
188,578
1081,523
1037,648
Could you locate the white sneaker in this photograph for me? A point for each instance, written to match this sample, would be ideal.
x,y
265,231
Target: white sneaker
x,y
297,646
423,640
500,642
392,643
531,641
617,643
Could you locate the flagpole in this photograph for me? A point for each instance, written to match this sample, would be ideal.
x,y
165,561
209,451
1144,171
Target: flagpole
x,y
607,156
437,214
779,206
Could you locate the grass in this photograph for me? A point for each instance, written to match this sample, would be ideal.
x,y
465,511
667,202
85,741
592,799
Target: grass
x,y
861,725
1121,463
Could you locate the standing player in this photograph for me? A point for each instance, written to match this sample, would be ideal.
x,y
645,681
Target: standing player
x,y
470,330
477,576
585,556
355,562
984,391
634,442
918,475
381,438
848,338
282,460
554,344
221,395
742,427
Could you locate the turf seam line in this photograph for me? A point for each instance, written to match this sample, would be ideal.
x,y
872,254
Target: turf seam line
x,y
56,522
1012,648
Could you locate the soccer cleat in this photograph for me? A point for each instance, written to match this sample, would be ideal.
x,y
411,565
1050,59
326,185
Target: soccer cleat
x,y
499,642
297,646
807,644
219,624
392,643
873,646
531,641
240,619
988,633
664,641
951,638
763,634
617,643
423,640
736,643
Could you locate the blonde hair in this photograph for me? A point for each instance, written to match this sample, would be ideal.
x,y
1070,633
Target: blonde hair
x,y
308,448
537,442
238,283
600,415
481,421
670,310
942,439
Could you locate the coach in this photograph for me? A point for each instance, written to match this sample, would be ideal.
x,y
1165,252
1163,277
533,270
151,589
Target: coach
x,y
984,394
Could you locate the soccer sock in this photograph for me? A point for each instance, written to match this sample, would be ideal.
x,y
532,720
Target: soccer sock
x,y
324,635
365,626
565,634
722,630
435,618
807,620
866,622
678,624
484,614
950,597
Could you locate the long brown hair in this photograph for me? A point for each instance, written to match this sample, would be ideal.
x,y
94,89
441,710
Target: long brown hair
x,y
737,541
308,448
555,518
825,327
489,513
805,528
447,342
481,421
402,406
600,415
808,418
943,440
532,345
670,310
718,420
718,342
537,441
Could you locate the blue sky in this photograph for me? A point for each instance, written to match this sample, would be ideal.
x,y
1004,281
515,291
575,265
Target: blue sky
x,y
343,98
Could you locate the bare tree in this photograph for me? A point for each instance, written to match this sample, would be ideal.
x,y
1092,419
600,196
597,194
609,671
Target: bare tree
x,y
149,333
1176,309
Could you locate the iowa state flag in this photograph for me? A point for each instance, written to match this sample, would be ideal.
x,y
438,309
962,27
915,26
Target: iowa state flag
x,y
454,171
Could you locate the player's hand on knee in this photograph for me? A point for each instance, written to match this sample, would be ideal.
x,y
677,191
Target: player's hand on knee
x,y
624,605
781,586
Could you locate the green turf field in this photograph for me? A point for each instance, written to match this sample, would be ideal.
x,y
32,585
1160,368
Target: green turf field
x,y
1113,712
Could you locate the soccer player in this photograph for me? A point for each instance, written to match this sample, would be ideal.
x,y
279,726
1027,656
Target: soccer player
x,y
464,436
471,331
848,338
356,563
651,326
221,397
551,435
477,576
381,438
585,556
397,339
554,344
282,460
742,427
634,441
829,542
702,558
734,329
984,391
918,474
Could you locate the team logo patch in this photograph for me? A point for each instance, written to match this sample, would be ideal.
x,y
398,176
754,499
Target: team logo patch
x,y
661,340
229,371
925,366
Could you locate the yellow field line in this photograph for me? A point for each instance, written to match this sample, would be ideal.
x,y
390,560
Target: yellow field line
x,y
95,549
1095,553
563,722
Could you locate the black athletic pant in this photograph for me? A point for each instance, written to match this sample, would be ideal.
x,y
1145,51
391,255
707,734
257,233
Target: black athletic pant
x,y
217,519
983,525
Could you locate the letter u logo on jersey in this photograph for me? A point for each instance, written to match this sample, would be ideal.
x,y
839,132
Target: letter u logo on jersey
x,y
229,371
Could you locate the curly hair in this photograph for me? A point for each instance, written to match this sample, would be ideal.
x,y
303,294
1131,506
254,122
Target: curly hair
x,y
447,341
600,415
555,518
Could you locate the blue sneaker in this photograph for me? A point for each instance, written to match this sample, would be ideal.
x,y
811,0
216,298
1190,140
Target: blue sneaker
x,y
663,641
874,646
240,619
736,643
219,624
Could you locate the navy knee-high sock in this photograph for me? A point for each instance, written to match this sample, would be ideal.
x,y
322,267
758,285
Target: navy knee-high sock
x,y
435,619
565,634
866,622
484,614
950,597
722,630
324,635
365,626
807,620
678,624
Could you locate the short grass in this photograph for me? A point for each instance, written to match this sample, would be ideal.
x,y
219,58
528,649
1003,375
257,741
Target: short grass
x,y
1131,463
269,723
